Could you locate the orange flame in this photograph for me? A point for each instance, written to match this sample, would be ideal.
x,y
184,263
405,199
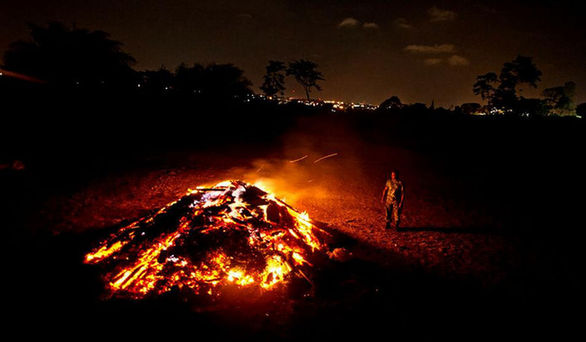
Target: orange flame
x,y
149,255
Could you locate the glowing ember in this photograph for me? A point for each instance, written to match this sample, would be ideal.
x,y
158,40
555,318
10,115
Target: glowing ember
x,y
231,234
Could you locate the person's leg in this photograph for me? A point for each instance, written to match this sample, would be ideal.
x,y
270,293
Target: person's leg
x,y
396,215
389,213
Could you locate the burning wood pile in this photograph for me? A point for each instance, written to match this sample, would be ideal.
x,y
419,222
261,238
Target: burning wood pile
x,y
232,234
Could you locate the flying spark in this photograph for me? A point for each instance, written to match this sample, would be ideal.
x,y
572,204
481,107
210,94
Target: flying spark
x,y
326,157
299,159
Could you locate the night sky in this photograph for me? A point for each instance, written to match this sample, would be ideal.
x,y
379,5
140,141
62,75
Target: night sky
x,y
367,50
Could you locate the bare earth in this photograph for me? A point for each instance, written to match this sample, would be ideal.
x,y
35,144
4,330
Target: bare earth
x,y
457,257
442,232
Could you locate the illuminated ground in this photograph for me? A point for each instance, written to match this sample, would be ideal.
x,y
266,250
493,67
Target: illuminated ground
x,y
439,234
455,266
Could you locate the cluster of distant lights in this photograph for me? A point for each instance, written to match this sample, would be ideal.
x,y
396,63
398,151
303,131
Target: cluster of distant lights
x,y
500,111
335,104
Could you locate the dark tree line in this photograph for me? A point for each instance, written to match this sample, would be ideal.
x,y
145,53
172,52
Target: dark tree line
x,y
560,100
501,91
211,82
71,58
64,57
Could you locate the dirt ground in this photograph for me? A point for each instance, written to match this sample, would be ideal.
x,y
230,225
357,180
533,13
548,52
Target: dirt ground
x,y
439,232
454,259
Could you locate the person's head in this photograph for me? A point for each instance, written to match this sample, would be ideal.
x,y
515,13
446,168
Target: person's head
x,y
393,174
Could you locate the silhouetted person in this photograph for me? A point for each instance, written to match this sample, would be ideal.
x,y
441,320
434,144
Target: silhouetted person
x,y
393,196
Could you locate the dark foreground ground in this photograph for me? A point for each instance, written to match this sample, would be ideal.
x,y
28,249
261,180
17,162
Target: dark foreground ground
x,y
490,246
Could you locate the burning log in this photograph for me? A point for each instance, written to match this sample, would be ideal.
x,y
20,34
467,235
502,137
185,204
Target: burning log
x,y
231,234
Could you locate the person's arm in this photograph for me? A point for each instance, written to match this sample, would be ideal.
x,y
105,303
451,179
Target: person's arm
x,y
385,190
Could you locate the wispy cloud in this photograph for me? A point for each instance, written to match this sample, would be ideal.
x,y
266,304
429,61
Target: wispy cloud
x,y
430,49
349,22
437,14
456,60
370,26
353,23
432,61
402,23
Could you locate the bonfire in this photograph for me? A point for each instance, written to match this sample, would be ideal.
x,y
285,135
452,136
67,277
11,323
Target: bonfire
x,y
231,234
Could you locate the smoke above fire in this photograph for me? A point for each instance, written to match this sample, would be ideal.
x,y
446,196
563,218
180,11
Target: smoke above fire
x,y
313,163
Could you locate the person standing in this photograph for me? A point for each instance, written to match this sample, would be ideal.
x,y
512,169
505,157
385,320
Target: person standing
x,y
393,196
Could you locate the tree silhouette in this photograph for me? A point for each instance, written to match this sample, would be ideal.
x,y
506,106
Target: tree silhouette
x,y
581,110
274,79
306,74
156,82
561,99
211,83
536,107
484,85
71,57
188,81
223,81
391,103
521,70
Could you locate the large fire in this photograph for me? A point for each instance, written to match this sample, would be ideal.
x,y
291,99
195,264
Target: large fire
x,y
232,233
